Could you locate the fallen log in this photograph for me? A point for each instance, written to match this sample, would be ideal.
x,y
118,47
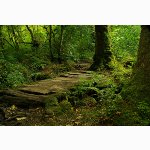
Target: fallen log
x,y
21,99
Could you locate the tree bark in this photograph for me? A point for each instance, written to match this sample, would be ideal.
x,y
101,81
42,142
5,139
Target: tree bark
x,y
60,45
35,43
49,33
1,37
50,42
19,33
138,88
15,38
102,55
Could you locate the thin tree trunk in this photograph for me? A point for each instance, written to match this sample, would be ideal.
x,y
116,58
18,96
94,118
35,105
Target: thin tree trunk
x,y
50,42
8,42
49,35
31,33
60,45
35,44
10,36
19,32
15,38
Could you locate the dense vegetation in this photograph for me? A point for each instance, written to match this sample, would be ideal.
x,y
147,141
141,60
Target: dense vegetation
x,y
26,50
36,52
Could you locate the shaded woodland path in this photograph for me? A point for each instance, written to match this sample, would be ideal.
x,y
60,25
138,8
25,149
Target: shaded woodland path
x,y
38,93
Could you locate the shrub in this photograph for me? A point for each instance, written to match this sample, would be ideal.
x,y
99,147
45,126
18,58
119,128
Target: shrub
x,y
12,75
65,106
143,109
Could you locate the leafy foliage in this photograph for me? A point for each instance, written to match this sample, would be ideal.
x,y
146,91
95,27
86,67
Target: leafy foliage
x,y
12,75
125,41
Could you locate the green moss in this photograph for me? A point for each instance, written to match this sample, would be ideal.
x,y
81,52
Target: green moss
x,y
89,101
65,106
51,101
138,88
39,76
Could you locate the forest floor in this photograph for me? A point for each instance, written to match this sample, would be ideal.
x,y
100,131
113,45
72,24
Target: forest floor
x,y
76,97
26,105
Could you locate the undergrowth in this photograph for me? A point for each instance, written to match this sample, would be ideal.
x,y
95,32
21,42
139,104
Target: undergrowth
x,y
99,102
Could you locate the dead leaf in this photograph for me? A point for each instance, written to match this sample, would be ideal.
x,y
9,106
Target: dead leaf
x,y
21,118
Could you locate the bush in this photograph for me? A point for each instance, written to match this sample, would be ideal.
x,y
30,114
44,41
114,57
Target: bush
x,y
12,75
15,78
65,106
37,63
143,109
89,101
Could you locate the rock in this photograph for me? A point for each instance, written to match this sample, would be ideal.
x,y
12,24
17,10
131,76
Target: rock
x,y
36,94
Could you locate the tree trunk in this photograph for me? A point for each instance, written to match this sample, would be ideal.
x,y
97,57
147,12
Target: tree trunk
x,y
1,37
50,42
138,88
35,43
15,39
19,33
49,33
60,45
102,55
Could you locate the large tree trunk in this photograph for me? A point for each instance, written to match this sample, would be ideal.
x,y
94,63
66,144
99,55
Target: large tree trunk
x,y
102,55
1,38
139,86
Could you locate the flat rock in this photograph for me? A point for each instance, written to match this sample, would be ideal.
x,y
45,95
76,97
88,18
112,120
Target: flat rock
x,y
35,94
